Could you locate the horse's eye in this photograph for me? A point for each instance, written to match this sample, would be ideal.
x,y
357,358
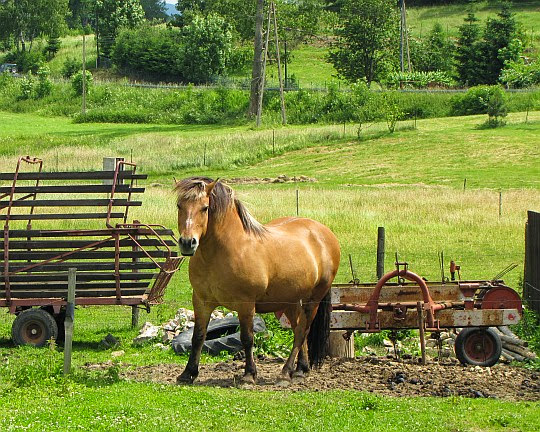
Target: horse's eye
x,y
179,206
204,209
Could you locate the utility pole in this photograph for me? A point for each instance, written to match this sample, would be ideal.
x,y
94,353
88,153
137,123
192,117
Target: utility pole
x,y
84,67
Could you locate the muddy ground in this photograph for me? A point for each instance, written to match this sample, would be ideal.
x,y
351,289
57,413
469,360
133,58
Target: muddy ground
x,y
379,375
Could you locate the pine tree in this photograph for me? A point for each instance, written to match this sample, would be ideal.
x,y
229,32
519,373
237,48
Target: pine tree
x,y
469,61
498,35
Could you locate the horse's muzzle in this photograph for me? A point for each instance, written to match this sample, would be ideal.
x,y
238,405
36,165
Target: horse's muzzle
x,y
188,246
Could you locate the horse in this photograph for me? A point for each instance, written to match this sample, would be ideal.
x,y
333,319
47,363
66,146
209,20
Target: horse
x,y
286,265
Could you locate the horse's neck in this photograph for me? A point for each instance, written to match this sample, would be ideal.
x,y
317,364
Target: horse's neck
x,y
225,232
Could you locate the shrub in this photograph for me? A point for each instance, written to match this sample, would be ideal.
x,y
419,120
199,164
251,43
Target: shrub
x,y
27,87
27,61
475,101
419,80
497,109
77,82
44,85
391,110
517,74
71,67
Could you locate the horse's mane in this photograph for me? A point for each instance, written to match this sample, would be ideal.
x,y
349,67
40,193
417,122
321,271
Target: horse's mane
x,y
222,198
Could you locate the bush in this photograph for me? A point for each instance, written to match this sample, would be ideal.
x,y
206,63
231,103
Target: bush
x,y
198,53
44,85
77,82
71,67
419,80
475,101
27,61
521,75
27,87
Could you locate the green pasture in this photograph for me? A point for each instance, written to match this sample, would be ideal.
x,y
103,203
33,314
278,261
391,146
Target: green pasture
x,y
411,182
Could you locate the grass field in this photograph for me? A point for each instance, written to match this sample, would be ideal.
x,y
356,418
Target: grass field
x,y
411,182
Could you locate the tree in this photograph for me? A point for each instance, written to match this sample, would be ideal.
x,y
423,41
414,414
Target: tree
x,y
22,21
367,40
154,9
498,35
469,52
258,57
206,46
111,15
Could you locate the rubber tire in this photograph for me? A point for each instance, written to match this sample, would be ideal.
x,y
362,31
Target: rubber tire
x,y
230,343
60,319
465,336
41,320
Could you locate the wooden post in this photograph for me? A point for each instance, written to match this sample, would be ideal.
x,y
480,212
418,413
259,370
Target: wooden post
x,y
70,317
134,316
420,310
263,72
84,70
282,96
380,252
297,203
340,347
500,204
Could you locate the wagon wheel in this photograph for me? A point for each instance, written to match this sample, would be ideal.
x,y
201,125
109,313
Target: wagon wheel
x,y
478,346
34,327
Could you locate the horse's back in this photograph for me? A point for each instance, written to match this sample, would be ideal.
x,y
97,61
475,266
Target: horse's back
x,y
318,241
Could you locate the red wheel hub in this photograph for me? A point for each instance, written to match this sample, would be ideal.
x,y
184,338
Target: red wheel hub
x,y
502,297
479,346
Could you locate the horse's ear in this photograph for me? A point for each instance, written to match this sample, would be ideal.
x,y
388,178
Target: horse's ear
x,y
210,187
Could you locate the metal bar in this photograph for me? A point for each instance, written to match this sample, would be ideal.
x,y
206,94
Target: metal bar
x,y
93,189
73,175
124,229
72,203
55,244
421,325
56,216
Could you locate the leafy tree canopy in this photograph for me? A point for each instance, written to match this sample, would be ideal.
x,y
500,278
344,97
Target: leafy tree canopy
x,y
22,21
367,40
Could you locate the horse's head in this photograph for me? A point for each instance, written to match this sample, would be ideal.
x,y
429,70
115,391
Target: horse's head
x,y
193,204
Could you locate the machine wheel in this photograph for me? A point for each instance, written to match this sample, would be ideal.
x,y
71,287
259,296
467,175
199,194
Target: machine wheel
x,y
478,346
34,327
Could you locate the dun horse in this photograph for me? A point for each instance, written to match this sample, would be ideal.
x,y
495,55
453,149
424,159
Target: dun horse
x,y
286,265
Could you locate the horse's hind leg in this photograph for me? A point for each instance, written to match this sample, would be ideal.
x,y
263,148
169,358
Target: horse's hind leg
x,y
202,317
246,336
306,314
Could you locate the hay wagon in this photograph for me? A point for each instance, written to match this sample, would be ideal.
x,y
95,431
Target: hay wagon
x,y
118,263
411,302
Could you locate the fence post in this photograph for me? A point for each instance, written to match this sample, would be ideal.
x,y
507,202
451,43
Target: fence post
x,y
70,317
380,252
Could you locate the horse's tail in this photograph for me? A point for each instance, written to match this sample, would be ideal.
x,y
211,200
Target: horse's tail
x,y
319,333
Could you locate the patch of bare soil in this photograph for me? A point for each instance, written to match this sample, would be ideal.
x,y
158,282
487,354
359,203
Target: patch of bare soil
x,y
373,374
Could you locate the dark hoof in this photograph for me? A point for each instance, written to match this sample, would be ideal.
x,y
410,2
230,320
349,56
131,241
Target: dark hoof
x,y
298,375
184,379
283,381
248,379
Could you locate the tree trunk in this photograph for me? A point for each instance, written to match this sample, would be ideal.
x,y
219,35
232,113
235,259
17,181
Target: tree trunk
x,y
256,74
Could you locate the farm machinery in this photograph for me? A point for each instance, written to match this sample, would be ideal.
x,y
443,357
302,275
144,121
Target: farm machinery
x,y
411,302
118,263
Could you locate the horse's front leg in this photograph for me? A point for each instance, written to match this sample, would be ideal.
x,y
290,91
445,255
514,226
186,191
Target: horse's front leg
x,y
202,317
245,316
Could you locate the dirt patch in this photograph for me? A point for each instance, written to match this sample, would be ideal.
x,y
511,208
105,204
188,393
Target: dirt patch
x,y
373,374
282,178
